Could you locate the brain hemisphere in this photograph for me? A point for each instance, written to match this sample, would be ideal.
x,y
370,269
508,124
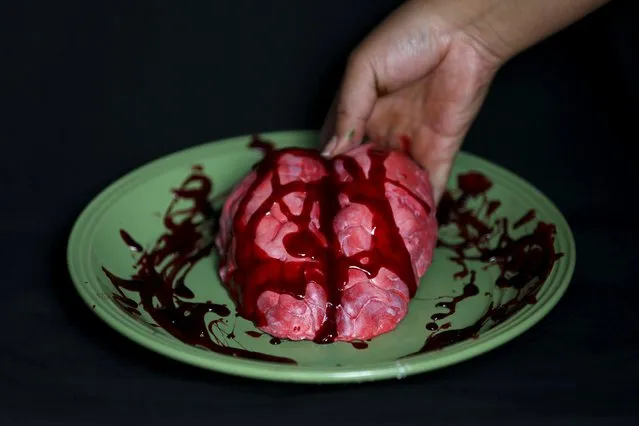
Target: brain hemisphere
x,y
327,250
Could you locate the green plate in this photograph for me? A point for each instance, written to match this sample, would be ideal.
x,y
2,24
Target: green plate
x,y
137,201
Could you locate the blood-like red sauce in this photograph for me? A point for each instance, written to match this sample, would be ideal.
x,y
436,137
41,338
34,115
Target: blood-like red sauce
x,y
404,144
469,291
133,245
359,345
525,219
326,264
276,341
524,263
161,271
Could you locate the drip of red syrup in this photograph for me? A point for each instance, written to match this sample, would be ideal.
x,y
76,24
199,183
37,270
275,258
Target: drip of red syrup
x,y
327,265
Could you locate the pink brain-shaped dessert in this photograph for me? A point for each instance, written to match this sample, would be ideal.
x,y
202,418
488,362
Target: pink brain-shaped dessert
x,y
327,250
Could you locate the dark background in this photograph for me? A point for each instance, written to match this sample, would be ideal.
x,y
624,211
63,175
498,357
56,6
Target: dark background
x,y
92,89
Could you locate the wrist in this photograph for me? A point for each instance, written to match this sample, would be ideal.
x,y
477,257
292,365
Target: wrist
x,y
504,28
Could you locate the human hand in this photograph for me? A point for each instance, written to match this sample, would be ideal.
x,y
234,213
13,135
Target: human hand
x,y
423,74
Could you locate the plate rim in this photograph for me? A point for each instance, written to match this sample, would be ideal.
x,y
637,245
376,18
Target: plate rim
x,y
382,370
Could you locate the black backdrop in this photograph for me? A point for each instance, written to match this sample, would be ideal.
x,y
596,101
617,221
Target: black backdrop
x,y
94,89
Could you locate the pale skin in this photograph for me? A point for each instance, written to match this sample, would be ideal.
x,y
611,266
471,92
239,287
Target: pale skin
x,y
424,72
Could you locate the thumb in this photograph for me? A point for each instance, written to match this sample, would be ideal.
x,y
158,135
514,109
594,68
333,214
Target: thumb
x,y
437,158
350,112
439,179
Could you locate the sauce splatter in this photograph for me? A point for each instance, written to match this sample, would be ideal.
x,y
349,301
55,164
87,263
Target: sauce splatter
x,y
257,335
160,275
129,241
525,219
359,345
524,263
469,291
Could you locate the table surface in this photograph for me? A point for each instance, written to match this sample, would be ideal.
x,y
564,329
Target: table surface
x,y
99,88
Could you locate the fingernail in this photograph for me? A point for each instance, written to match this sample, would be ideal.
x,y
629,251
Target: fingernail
x,y
345,141
330,147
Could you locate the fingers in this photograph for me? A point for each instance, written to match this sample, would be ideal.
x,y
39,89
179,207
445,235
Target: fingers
x,y
347,118
439,176
438,163
328,128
